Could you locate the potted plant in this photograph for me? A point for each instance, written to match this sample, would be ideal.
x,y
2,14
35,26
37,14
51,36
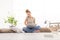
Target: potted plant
x,y
11,20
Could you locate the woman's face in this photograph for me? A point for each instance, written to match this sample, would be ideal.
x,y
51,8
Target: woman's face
x,y
28,14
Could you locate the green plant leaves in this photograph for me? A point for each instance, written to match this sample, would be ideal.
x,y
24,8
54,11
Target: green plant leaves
x,y
15,22
11,20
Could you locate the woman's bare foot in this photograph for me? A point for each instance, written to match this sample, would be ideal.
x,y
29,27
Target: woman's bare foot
x,y
36,31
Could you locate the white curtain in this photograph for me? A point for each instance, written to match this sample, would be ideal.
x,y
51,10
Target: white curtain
x,y
41,9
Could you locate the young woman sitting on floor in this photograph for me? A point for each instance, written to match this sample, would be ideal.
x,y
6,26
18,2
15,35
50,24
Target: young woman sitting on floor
x,y
30,23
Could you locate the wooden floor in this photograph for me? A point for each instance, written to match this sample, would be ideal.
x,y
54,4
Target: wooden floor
x,y
29,36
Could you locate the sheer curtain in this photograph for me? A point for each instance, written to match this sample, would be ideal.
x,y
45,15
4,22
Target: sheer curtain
x,y
5,6
42,10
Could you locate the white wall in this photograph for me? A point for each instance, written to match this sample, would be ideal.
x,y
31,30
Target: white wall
x,y
41,9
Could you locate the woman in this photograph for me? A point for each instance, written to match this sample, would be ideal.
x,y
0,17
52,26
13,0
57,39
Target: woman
x,y
30,23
